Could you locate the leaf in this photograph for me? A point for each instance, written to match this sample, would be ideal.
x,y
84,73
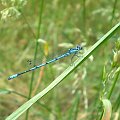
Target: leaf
x,y
107,109
75,107
3,91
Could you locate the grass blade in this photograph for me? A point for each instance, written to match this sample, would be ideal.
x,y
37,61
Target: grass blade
x,y
107,109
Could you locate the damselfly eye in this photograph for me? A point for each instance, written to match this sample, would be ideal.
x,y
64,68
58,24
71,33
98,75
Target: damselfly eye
x,y
79,48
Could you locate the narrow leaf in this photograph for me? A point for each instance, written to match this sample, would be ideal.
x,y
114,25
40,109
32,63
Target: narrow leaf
x,y
3,91
107,109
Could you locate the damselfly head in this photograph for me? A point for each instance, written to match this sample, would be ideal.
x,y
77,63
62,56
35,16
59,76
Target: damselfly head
x,y
79,47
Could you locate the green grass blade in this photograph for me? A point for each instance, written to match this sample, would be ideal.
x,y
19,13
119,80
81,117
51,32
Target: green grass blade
x,y
75,107
29,103
4,91
36,51
113,11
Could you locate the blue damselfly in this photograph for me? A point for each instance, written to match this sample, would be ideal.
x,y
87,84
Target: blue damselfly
x,y
69,52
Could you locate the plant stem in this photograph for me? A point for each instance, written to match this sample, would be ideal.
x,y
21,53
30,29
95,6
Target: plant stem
x,y
111,90
36,49
113,12
114,83
19,94
84,17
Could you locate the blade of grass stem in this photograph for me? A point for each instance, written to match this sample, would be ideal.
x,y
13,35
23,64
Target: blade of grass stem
x,y
36,51
84,17
107,109
111,89
75,107
114,83
113,11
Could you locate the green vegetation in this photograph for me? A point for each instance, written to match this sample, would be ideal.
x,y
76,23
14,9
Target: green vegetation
x,y
40,30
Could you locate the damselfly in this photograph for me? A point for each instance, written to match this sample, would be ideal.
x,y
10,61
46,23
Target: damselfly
x,y
69,52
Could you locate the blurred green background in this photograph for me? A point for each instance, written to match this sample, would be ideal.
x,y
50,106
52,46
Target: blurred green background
x,y
64,24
